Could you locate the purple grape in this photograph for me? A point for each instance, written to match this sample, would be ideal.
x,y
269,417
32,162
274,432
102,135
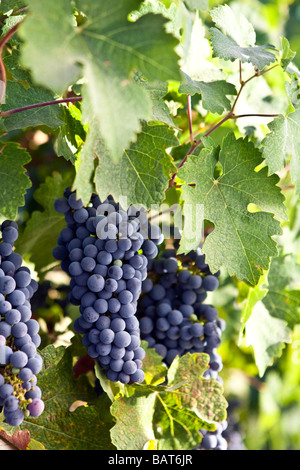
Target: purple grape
x,y
102,242
14,418
19,359
36,407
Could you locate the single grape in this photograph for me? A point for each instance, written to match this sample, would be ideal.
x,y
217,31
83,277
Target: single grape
x,y
36,407
122,339
107,336
14,418
210,283
19,359
11,403
7,285
96,283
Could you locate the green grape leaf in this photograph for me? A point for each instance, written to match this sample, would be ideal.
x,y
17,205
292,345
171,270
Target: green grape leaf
x,y
293,91
83,183
125,105
9,23
13,178
234,38
17,96
283,297
160,110
43,228
234,24
267,335
168,9
203,396
3,129
287,55
71,135
144,172
197,60
155,371
47,34
8,6
133,428
20,91
255,294
213,94
271,310
177,428
282,143
170,416
226,48
242,239
62,425
106,49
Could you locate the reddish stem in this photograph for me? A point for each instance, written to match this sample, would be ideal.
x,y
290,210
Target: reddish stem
x,y
8,35
198,142
3,41
253,115
40,105
230,115
189,110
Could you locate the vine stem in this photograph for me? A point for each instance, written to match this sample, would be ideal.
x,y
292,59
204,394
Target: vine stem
x,y
189,110
3,41
198,142
40,105
8,35
254,115
229,115
16,12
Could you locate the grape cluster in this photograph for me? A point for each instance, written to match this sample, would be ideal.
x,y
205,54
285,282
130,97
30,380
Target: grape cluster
x,y
233,432
19,334
175,320
105,250
234,439
215,440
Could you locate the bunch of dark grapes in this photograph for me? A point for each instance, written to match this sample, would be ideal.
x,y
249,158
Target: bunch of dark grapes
x,y
175,320
105,250
19,334
233,432
214,440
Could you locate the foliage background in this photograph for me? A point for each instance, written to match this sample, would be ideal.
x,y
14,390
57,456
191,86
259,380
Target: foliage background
x,y
267,408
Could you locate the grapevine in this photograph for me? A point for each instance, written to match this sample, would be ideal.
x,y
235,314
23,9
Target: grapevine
x,y
20,396
149,226
105,251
